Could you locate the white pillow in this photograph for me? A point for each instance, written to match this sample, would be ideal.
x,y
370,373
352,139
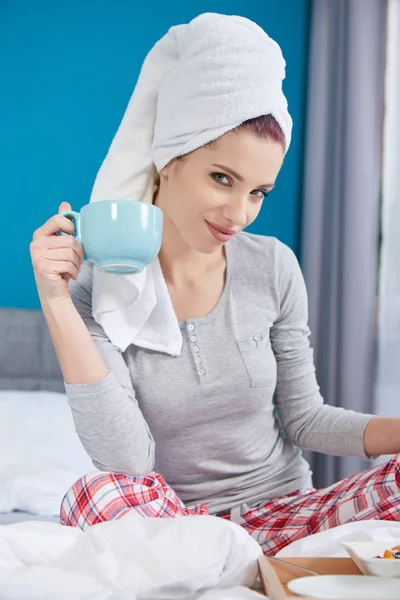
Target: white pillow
x,y
41,455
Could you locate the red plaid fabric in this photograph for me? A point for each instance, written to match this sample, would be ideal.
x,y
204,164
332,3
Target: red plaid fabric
x,y
374,494
107,496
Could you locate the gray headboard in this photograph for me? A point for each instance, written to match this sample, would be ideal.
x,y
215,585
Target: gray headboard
x,y
27,357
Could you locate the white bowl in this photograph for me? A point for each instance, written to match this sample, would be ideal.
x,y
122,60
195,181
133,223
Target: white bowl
x,y
364,553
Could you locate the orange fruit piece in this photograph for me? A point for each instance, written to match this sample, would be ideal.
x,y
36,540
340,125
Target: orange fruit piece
x,y
388,554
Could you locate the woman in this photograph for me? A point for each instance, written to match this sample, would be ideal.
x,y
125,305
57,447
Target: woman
x,y
217,426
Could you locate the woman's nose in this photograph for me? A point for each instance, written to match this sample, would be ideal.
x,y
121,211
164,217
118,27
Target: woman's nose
x,y
236,211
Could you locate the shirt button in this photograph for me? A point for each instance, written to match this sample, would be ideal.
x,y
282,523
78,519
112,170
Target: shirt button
x,y
191,327
196,349
193,338
258,337
198,359
202,372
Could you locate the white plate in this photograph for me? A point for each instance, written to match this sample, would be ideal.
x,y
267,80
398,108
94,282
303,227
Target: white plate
x,y
345,586
364,553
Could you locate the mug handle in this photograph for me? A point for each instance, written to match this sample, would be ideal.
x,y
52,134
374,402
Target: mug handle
x,y
76,219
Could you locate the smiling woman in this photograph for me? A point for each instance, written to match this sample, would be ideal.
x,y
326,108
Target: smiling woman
x,y
195,384
193,195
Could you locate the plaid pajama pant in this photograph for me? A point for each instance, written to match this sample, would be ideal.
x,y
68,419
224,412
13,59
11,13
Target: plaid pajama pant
x,y
373,494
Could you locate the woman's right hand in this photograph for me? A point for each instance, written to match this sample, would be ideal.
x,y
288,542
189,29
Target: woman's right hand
x,y
55,258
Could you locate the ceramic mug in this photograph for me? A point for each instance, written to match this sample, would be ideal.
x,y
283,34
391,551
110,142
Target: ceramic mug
x,y
118,236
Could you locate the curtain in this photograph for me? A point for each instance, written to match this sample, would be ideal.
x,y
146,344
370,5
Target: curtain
x,y
340,225
388,381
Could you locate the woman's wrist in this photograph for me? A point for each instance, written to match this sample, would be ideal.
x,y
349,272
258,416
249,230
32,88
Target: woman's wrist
x,y
55,304
382,436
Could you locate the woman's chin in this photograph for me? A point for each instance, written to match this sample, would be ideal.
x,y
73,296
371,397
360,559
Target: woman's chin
x,y
203,241
206,246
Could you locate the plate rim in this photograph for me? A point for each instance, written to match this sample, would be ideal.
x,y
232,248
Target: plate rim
x,y
335,576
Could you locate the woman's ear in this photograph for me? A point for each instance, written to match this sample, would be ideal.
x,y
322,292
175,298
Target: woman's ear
x,y
165,171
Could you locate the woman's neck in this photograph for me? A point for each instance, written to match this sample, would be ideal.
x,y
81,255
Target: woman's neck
x,y
180,263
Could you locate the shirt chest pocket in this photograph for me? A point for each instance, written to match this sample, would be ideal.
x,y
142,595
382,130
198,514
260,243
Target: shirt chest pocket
x,y
258,358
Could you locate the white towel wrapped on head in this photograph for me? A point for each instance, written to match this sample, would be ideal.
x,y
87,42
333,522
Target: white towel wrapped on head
x,y
198,82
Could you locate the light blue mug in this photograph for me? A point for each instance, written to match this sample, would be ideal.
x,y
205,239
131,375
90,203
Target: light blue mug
x,y
118,236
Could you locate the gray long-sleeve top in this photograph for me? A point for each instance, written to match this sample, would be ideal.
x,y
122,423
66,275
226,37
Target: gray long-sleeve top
x,y
205,420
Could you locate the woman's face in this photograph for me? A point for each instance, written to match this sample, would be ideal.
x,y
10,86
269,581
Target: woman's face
x,y
216,191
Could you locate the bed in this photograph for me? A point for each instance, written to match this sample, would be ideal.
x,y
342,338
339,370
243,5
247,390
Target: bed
x,y
27,357
40,453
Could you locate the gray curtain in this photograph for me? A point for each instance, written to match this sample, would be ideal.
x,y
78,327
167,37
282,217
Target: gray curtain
x,y
340,230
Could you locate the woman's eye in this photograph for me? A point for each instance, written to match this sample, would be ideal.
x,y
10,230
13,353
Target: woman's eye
x,y
225,180
261,194
220,178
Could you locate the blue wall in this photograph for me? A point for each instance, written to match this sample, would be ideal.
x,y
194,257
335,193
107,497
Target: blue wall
x,y
68,70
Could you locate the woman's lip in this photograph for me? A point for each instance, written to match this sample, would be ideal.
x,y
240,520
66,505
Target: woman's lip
x,y
222,229
218,234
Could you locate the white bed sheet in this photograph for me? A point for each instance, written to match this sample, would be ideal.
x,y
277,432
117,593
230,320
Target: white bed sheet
x,y
198,557
19,516
41,455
